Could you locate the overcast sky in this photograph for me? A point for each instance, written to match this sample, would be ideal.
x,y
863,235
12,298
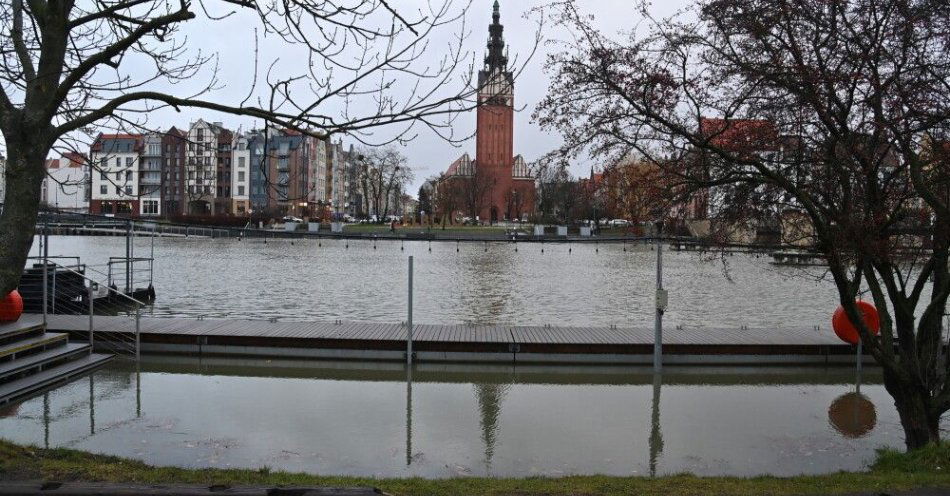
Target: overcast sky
x,y
233,40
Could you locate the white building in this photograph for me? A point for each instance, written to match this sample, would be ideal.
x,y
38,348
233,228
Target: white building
x,y
65,186
241,175
150,176
115,180
338,179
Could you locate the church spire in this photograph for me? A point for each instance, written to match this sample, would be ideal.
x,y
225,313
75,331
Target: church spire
x,y
496,58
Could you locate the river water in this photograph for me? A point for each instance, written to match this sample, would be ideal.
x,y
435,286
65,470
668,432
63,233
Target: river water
x,y
565,284
453,420
446,420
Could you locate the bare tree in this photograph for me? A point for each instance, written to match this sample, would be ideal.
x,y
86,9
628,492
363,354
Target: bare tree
x,y
68,69
446,198
383,174
836,109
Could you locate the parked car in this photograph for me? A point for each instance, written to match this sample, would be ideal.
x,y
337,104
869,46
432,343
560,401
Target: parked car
x,y
348,218
291,218
619,223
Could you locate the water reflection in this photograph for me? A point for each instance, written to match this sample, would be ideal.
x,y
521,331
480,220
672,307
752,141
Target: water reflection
x,y
852,414
438,420
656,435
487,275
490,398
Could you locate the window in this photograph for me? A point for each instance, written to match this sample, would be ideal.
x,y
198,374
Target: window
x,y
201,134
240,176
128,190
103,190
128,176
118,191
240,162
128,161
240,190
103,176
118,162
150,207
118,176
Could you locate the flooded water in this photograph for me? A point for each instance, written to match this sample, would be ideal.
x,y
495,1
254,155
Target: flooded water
x,y
566,284
455,420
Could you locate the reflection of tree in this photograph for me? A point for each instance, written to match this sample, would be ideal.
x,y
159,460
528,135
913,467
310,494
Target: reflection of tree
x,y
852,414
489,397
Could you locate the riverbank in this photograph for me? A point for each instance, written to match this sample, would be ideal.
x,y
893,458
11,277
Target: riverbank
x,y
892,471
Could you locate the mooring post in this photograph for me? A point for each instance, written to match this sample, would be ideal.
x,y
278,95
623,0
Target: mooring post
x,y
409,319
90,315
661,300
128,256
138,318
45,240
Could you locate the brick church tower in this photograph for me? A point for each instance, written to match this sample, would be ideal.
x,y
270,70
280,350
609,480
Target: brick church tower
x,y
500,181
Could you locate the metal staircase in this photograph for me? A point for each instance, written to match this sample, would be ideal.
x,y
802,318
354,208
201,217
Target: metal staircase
x,y
33,360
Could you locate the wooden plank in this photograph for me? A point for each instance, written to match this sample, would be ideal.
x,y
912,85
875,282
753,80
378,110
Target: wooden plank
x,y
460,333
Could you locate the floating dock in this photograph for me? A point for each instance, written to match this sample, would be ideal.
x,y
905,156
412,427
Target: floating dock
x,y
468,343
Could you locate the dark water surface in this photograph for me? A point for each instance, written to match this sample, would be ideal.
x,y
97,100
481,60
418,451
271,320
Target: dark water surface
x,y
452,420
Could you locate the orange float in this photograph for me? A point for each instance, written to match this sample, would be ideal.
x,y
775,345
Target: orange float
x,y
845,329
11,307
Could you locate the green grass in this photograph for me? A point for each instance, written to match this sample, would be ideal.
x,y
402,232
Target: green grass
x,y
893,471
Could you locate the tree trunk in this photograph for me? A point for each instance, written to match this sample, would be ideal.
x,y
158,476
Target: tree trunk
x,y
24,177
921,425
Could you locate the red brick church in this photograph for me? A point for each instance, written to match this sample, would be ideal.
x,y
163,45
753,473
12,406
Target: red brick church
x,y
497,185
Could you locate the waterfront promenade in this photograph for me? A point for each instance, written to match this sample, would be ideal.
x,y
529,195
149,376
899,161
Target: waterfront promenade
x,y
467,343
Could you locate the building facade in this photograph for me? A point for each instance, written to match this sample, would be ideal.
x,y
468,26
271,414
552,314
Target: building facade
x,y
66,185
497,185
240,176
174,146
208,168
115,183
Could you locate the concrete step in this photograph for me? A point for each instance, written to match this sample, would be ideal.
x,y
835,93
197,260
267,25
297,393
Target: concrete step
x,y
48,339
28,323
61,374
42,358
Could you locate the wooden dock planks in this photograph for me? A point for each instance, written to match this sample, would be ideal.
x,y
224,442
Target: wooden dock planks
x,y
454,335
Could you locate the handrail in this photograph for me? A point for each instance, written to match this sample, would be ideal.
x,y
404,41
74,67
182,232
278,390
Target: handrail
x,y
133,300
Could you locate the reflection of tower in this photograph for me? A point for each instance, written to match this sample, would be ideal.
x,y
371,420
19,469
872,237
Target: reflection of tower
x,y
491,278
656,435
489,397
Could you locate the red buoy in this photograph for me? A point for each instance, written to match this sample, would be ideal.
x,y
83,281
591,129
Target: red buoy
x,y
11,307
846,330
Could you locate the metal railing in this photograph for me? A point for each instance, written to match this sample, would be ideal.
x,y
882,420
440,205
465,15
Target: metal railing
x,y
120,334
